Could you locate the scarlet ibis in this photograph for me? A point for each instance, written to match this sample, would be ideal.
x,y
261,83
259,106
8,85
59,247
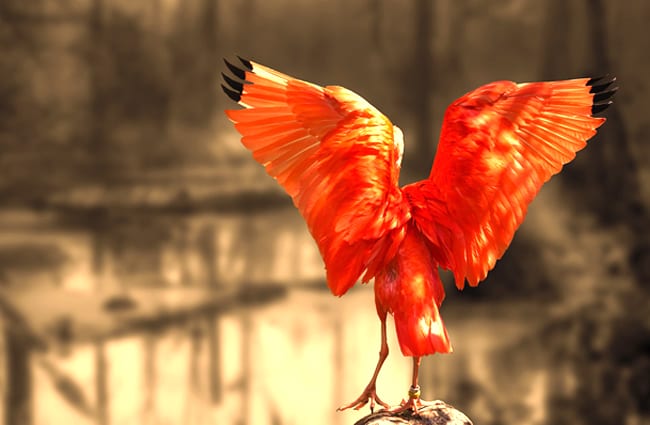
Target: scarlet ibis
x,y
339,160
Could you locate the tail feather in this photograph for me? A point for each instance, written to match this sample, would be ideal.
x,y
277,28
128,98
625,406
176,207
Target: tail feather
x,y
421,333
410,288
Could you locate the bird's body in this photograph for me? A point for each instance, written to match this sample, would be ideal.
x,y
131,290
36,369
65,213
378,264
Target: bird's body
x,y
339,159
409,288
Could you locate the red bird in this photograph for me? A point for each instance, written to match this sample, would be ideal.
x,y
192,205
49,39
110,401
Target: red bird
x,y
339,159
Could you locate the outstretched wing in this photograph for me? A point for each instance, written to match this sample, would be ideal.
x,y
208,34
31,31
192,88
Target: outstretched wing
x,y
334,154
497,147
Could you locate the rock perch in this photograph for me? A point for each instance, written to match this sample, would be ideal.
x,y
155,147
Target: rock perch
x,y
438,413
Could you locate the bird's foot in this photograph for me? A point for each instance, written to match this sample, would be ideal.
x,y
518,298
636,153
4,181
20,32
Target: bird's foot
x,y
414,402
368,395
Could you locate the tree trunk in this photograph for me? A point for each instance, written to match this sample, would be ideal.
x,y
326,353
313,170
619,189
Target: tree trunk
x,y
556,36
376,12
423,84
18,396
616,174
98,143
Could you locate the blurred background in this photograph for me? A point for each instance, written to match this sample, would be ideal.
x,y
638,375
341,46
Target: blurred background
x,y
151,273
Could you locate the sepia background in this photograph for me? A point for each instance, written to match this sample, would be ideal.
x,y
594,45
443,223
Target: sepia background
x,y
151,273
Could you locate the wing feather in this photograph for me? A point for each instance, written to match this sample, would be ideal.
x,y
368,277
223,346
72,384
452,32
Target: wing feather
x,y
498,146
336,157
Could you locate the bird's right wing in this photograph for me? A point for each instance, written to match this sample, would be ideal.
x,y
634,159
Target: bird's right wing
x,y
335,155
498,145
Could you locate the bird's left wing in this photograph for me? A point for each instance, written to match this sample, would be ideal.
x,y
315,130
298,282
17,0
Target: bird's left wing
x,y
498,145
334,154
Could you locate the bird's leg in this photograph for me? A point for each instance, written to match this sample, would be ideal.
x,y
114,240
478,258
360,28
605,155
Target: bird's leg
x,y
370,392
414,402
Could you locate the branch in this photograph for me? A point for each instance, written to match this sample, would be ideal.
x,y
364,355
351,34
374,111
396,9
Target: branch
x,y
437,413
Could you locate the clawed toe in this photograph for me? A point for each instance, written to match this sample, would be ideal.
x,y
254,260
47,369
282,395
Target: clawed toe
x,y
369,395
413,404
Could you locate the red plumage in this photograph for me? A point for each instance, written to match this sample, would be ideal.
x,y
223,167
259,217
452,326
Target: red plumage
x,y
339,159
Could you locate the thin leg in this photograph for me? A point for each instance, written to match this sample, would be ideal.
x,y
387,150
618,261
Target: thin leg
x,y
370,392
416,371
414,402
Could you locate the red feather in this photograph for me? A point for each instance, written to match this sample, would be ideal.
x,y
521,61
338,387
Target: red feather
x,y
339,160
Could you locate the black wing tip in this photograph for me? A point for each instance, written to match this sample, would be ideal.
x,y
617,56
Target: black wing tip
x,y
597,88
601,79
236,96
235,85
246,63
595,109
233,88
604,95
600,88
237,72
